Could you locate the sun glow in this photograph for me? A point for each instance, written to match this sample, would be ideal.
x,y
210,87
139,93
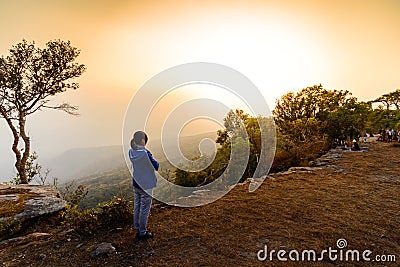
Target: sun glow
x,y
265,49
182,96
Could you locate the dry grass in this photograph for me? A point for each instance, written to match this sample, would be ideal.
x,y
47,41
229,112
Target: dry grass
x,y
295,211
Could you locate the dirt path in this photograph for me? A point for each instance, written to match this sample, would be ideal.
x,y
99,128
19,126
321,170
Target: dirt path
x,y
302,210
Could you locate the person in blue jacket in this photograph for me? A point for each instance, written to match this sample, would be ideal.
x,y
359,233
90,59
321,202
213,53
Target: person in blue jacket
x,y
143,180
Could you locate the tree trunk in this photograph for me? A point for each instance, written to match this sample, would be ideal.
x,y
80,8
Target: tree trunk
x,y
18,163
27,148
388,111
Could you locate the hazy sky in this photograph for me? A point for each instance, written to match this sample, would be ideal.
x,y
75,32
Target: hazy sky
x,y
279,45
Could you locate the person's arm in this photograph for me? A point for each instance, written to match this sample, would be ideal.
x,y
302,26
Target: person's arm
x,y
153,161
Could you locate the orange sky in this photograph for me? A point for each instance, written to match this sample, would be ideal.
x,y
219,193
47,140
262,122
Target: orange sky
x,y
279,45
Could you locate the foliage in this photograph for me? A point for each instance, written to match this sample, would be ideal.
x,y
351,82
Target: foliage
x,y
72,194
300,155
233,138
315,113
106,214
103,187
308,123
34,171
349,120
311,102
389,100
79,219
118,211
190,179
29,77
387,114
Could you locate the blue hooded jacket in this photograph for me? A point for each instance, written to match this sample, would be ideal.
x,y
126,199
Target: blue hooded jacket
x,y
143,164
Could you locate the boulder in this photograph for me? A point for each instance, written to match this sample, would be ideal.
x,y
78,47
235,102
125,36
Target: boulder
x,y
41,206
104,249
24,202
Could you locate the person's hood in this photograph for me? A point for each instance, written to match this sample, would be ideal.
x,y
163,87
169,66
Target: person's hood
x,y
137,154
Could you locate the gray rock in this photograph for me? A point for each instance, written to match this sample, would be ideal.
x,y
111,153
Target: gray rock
x,y
45,190
40,206
9,197
39,200
303,169
335,168
104,249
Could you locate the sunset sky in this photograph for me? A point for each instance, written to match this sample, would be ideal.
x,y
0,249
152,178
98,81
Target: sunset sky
x,y
279,45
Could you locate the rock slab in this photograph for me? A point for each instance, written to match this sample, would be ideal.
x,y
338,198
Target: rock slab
x,y
37,200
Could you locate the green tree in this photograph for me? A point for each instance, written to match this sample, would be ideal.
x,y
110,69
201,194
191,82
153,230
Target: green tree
x,y
349,120
388,113
237,125
389,100
315,112
310,102
29,77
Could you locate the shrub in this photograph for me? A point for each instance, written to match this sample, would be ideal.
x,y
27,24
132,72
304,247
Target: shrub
x,y
116,212
299,155
74,194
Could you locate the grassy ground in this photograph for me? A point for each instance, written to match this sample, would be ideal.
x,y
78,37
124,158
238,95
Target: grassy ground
x,y
297,211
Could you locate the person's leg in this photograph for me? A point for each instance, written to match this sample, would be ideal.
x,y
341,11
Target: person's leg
x,y
136,208
145,205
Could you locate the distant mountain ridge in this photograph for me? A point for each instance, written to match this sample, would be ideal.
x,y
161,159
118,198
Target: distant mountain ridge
x,y
77,163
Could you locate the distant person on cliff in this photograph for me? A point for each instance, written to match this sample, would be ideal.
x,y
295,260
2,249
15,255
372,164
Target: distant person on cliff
x,y
384,135
395,135
389,135
365,136
356,146
144,180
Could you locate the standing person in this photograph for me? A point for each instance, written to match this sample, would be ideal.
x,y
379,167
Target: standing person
x,y
390,135
383,133
144,180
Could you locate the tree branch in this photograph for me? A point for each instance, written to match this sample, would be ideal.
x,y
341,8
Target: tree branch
x,y
66,107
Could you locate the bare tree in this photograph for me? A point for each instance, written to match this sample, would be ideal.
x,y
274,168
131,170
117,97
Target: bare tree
x,y
29,77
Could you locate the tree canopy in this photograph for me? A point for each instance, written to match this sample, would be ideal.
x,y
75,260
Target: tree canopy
x,y
315,112
309,122
29,77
